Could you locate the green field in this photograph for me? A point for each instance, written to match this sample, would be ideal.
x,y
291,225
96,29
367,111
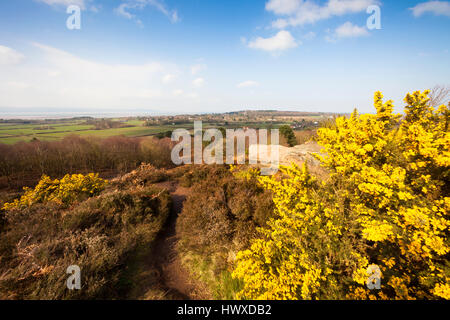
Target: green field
x,y
51,130
11,133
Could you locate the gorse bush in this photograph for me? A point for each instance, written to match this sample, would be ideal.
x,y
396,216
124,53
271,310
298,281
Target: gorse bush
x,y
65,191
385,203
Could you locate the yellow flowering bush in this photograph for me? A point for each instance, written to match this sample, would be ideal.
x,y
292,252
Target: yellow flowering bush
x,y
246,174
65,191
385,203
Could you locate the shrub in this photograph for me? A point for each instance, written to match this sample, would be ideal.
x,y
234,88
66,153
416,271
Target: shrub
x,y
287,132
143,176
305,136
105,236
157,152
219,218
69,189
385,203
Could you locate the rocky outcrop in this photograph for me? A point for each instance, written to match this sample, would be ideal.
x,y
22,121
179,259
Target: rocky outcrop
x,y
298,154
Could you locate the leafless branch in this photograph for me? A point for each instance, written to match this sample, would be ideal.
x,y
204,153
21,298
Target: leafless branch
x,y
439,95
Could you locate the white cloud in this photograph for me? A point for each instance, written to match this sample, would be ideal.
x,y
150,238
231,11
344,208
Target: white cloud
x,y
10,56
283,6
174,17
83,4
169,78
125,8
18,85
58,79
199,82
310,35
248,84
349,30
122,11
95,9
171,14
66,3
435,7
177,93
192,95
196,69
283,40
301,12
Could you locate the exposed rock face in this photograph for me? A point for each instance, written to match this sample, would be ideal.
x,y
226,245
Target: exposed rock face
x,y
298,154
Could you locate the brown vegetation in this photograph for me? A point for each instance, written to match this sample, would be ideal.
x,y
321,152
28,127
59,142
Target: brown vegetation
x,y
24,163
107,236
220,217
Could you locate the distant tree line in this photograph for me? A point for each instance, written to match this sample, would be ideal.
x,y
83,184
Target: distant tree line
x,y
24,163
103,124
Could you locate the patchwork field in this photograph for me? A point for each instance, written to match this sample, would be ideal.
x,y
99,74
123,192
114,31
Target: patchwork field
x,y
11,133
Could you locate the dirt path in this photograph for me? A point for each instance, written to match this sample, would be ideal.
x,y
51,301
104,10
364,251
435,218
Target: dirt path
x,y
174,279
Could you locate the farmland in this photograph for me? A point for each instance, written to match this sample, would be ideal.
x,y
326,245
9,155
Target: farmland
x,y
13,131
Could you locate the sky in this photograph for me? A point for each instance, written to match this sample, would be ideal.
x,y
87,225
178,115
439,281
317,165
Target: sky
x,y
206,56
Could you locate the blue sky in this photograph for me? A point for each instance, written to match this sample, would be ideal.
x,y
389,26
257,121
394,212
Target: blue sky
x,y
188,56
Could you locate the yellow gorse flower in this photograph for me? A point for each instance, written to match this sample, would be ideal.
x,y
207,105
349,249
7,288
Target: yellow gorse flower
x,y
64,191
385,202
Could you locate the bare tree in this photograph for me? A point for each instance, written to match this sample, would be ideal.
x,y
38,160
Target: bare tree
x,y
439,95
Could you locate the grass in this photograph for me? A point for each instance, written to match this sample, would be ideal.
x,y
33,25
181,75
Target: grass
x,y
222,285
13,133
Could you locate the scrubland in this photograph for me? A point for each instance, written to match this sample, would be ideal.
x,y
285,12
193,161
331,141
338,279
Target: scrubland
x,y
379,199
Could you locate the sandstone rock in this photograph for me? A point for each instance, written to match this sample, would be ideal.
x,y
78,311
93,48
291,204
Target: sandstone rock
x,y
298,154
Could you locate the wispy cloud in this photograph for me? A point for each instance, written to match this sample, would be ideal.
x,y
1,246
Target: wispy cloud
x,y
248,84
192,95
310,35
169,78
197,68
349,30
177,92
439,8
301,12
125,9
10,56
199,82
60,78
81,3
283,40
122,10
